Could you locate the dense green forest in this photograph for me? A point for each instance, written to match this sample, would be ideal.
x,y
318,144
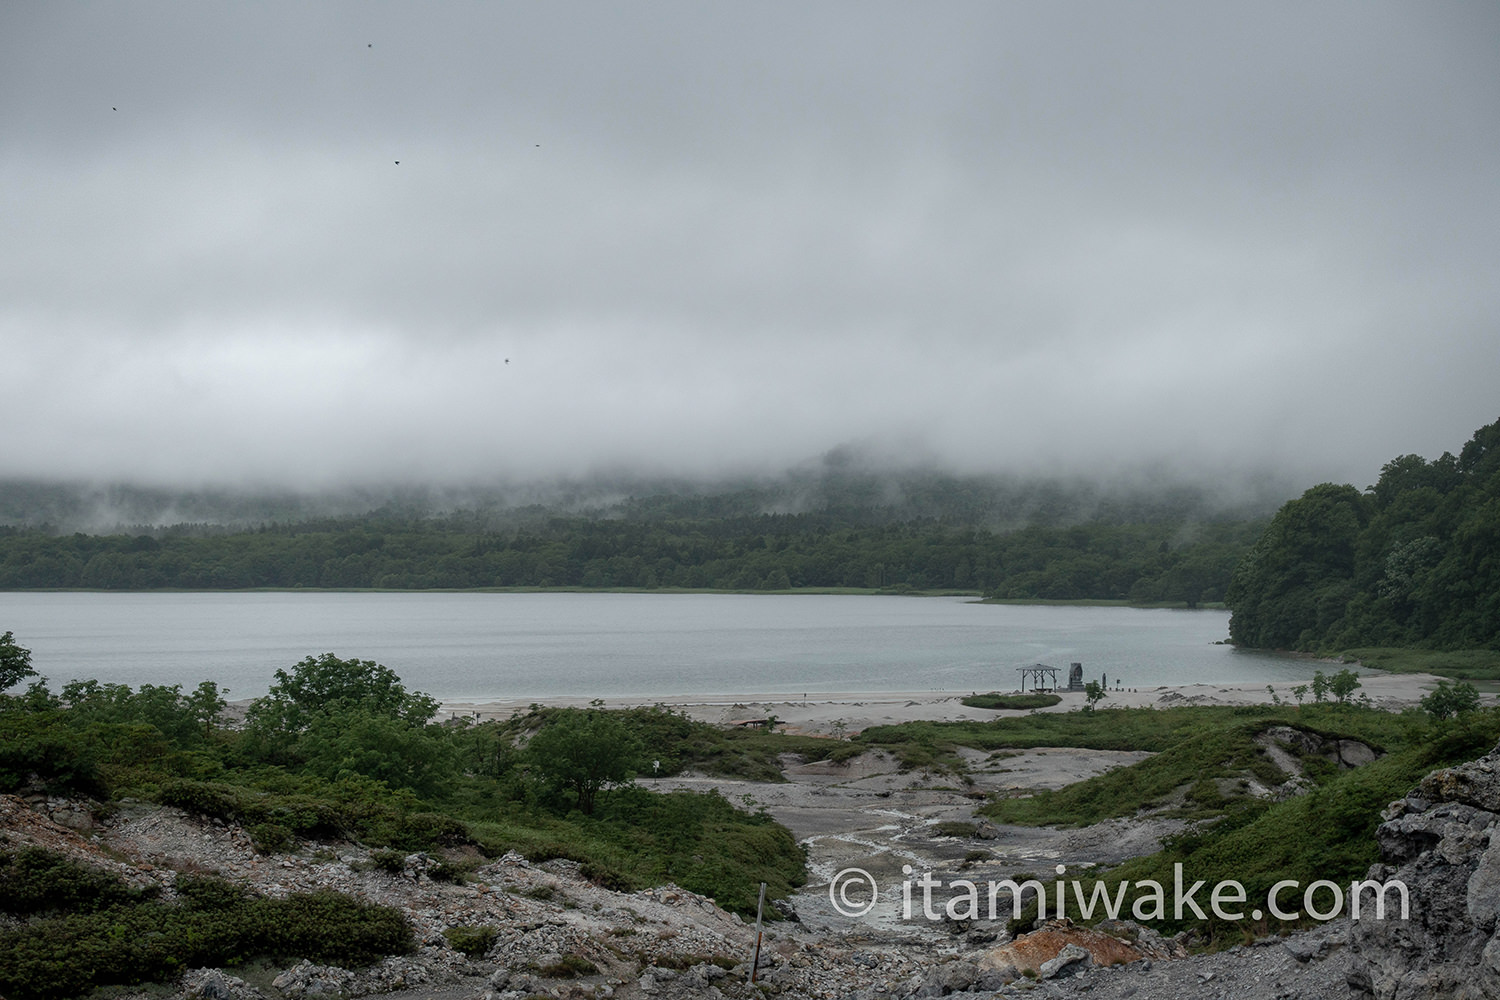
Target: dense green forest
x,y
1006,539
1412,561
1139,562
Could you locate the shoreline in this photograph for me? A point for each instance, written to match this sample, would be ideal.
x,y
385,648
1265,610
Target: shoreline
x,y
834,713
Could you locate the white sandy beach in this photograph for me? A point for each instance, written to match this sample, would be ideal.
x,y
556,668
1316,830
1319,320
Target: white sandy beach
x,y
843,713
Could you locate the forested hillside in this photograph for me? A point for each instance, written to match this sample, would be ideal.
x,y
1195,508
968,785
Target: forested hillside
x,y
1035,539
1412,561
1161,562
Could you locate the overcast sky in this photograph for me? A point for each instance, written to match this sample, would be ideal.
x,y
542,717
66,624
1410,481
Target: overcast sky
x,y
710,237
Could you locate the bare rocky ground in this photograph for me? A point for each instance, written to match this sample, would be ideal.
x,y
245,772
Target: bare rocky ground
x,y
667,943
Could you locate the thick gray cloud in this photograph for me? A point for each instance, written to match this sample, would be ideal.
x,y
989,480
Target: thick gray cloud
x,y
714,237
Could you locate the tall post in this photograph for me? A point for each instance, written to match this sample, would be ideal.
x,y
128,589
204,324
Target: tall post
x,y
760,907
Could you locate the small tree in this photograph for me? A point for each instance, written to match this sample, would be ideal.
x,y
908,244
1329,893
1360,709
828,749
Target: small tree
x,y
1319,686
15,661
584,751
206,704
1449,700
1092,692
1343,684
327,685
1300,691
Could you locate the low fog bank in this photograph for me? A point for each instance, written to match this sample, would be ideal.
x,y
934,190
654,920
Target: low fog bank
x,y
848,481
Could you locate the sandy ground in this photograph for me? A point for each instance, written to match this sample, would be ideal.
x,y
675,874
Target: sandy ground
x,y
837,714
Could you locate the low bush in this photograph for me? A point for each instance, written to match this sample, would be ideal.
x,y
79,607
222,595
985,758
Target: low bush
x,y
567,967
471,941
112,935
1012,702
41,881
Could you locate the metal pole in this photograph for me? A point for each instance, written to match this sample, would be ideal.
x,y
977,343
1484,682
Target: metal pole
x,y
759,909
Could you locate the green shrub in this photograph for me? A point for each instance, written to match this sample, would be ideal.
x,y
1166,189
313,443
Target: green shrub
x,y
606,877
1012,702
204,798
40,881
428,830
954,828
210,893
331,928
81,946
568,967
40,746
472,941
271,838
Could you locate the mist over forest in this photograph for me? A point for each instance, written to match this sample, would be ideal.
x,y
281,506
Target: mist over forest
x,y
844,481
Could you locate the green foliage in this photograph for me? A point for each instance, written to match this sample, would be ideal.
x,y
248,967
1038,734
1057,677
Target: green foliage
x,y
41,746
41,881
1093,691
472,941
636,838
338,812
1468,664
1448,700
1182,779
392,750
15,662
1005,539
1414,561
584,751
271,838
567,967
1012,702
1293,584
342,719
94,931
479,793
1343,684
186,720
1329,833
932,744
323,686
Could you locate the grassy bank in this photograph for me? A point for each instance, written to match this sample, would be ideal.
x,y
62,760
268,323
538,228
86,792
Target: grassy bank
x,y
1466,664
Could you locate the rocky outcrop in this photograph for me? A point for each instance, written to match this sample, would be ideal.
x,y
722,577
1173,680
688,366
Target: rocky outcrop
x,y
1288,748
1440,842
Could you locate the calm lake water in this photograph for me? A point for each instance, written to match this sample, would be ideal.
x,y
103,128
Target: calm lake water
x,y
462,646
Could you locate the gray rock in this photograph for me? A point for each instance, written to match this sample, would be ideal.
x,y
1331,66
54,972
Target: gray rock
x,y
994,979
1072,959
1483,898
1443,844
214,984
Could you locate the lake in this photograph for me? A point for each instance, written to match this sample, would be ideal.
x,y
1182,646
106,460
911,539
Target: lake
x,y
493,646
